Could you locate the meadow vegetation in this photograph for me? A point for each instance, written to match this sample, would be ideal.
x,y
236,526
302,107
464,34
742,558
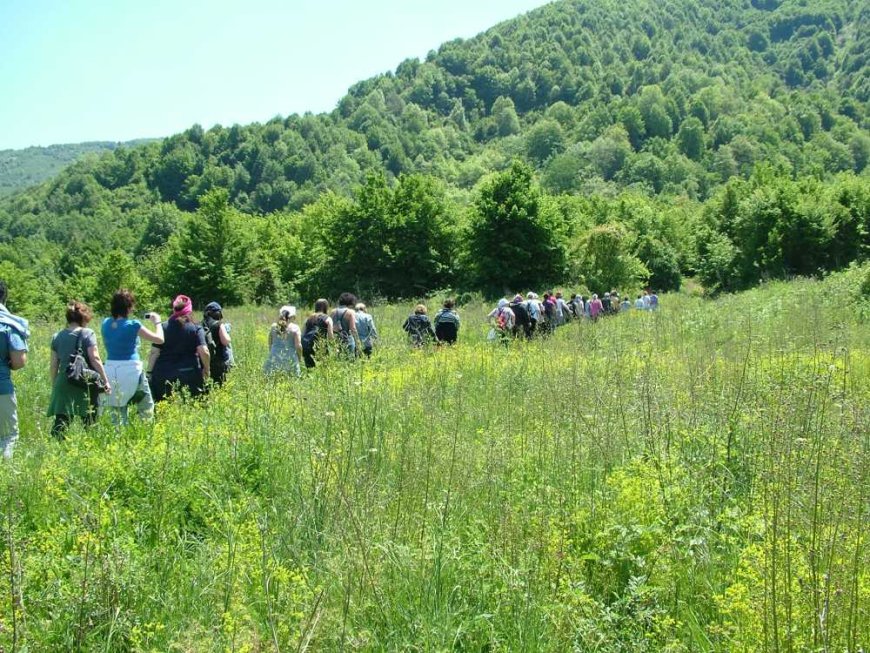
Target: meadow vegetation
x,y
688,480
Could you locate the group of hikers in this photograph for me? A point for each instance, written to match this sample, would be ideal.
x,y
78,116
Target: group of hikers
x,y
186,354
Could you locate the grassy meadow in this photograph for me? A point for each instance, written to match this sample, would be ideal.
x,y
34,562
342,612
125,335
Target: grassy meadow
x,y
690,480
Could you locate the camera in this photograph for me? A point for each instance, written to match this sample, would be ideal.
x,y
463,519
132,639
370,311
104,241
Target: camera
x,y
149,316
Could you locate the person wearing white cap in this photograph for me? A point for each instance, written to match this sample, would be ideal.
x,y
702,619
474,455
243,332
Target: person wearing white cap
x,y
285,344
502,319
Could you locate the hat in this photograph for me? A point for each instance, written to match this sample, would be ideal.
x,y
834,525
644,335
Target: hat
x,y
289,311
213,307
532,295
502,302
518,298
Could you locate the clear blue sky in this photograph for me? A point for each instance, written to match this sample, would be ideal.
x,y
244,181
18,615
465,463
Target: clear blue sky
x,y
115,70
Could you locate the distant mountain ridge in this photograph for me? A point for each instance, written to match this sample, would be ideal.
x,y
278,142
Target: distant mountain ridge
x,y
29,166
723,139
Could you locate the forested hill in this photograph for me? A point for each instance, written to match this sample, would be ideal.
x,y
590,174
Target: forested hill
x,y
653,121
20,169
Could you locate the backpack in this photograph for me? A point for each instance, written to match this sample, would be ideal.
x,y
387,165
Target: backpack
x,y
521,314
314,327
209,341
501,320
79,371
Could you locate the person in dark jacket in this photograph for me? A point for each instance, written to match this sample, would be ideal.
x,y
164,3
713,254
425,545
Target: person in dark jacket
x,y
183,359
218,338
419,328
316,332
447,323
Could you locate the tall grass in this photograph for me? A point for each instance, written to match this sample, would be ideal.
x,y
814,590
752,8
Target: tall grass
x,y
695,479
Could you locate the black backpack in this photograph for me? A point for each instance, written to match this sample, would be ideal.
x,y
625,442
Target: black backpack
x,y
521,314
315,327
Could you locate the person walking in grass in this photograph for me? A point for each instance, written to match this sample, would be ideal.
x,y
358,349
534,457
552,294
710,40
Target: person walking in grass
x,y
183,360
69,401
316,333
121,336
344,325
218,340
626,304
502,319
14,333
563,311
419,328
365,328
596,307
536,312
447,323
285,344
522,319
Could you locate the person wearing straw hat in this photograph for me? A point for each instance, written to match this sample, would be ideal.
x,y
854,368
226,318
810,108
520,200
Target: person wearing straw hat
x,y
285,344
183,359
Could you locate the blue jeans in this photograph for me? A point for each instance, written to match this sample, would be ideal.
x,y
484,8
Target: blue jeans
x,y
8,424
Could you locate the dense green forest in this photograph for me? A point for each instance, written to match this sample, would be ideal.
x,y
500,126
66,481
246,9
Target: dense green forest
x,y
20,169
590,142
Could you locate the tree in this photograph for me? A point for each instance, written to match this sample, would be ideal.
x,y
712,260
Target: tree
x,y
544,140
691,138
515,239
604,260
209,257
505,114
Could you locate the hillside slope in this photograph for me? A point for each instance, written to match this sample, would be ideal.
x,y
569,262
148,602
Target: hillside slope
x,y
20,169
603,99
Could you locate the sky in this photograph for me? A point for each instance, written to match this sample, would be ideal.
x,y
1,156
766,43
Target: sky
x,y
116,70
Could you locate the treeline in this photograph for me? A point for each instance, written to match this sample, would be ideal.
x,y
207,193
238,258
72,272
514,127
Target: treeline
x,y
654,130
410,238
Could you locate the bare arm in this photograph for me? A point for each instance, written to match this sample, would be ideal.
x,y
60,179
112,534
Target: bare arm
x,y
153,355
205,359
17,359
297,342
224,336
329,332
97,364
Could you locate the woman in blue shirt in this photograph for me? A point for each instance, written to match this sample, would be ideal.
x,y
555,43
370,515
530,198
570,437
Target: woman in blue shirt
x,y
121,336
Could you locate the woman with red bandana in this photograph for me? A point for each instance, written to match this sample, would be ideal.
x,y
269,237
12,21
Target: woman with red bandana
x,y
183,358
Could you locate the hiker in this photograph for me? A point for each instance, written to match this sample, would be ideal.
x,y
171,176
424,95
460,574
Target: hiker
x,y
626,305
316,333
365,328
547,325
124,368
69,401
183,359
614,302
217,338
653,301
606,307
638,303
596,307
447,323
536,312
418,327
344,325
576,304
522,319
646,300
285,344
563,311
502,319
14,333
